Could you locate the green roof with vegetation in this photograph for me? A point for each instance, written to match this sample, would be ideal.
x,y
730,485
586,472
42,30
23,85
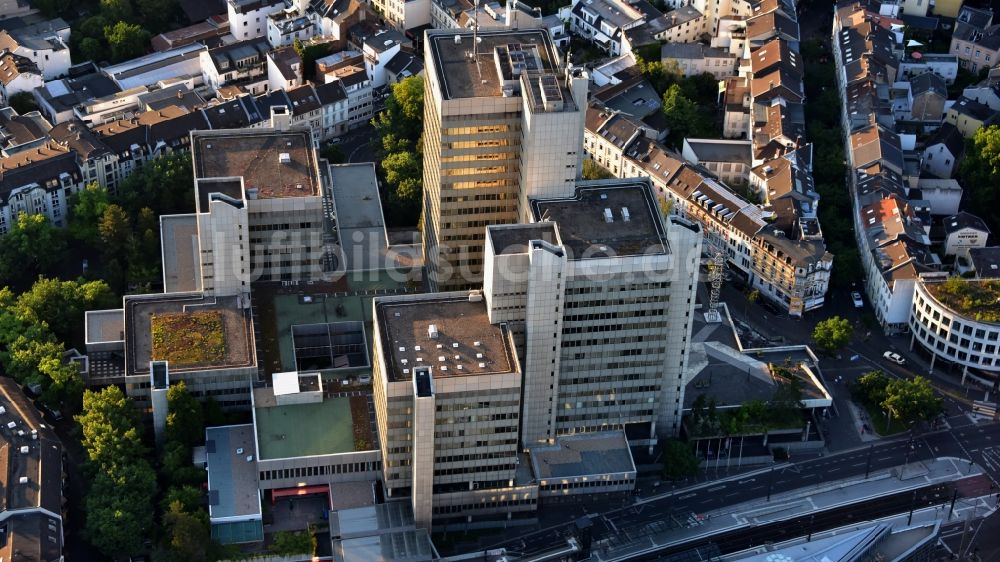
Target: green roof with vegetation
x,y
189,339
977,299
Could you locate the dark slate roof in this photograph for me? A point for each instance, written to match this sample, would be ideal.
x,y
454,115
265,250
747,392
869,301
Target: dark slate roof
x,y
963,220
948,135
331,92
972,108
986,261
928,82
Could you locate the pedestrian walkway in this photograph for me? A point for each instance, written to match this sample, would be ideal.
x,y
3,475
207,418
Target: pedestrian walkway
x,y
862,423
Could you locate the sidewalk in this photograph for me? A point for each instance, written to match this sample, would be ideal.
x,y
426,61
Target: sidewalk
x,y
786,505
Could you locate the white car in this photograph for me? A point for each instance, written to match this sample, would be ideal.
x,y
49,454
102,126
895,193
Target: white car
x,y
894,357
856,297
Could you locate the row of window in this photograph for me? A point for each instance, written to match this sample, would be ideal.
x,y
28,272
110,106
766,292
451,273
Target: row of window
x,y
322,470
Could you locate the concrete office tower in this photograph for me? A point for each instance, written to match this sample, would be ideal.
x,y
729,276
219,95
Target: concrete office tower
x,y
602,289
259,200
503,119
447,387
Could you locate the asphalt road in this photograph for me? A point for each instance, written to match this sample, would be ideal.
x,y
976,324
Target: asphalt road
x,y
979,443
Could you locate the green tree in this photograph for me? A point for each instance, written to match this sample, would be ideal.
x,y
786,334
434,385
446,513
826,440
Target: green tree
x,y
833,333
110,428
678,460
911,400
116,10
52,8
126,40
185,421
23,102
980,173
92,49
287,543
119,513
62,304
308,54
399,146
157,15
871,387
188,536
189,497
163,184
594,171
86,207
114,229
683,116
32,247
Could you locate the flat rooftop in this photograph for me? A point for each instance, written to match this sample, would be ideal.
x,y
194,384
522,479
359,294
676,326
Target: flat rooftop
x,y
37,461
179,243
232,479
274,163
514,239
360,222
183,319
461,77
466,342
105,325
281,430
607,219
589,454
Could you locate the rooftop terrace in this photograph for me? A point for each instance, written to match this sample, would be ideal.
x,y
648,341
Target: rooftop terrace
x,y
606,219
272,164
448,332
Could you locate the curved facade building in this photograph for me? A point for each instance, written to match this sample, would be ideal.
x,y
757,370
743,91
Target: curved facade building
x,y
951,332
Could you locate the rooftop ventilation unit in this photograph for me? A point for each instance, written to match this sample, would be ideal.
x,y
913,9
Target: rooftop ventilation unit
x,y
625,216
608,217
3,410
432,331
477,343
23,480
455,345
285,158
482,365
25,449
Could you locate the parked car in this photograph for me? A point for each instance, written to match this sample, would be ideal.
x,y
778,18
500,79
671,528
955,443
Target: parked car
x,y
894,357
856,297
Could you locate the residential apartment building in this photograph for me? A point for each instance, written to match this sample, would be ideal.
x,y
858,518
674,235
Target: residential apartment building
x,y
18,74
248,18
503,122
693,59
44,43
243,63
348,69
404,14
605,21
975,40
892,231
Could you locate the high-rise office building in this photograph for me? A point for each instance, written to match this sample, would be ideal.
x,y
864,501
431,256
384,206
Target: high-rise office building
x,y
447,386
599,294
503,123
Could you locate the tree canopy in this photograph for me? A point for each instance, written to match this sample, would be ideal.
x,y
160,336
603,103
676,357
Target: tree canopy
x,y
678,460
126,40
594,171
833,333
980,173
119,503
399,146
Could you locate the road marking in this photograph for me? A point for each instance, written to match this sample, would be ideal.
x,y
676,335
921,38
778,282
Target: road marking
x,y
859,464
687,496
716,489
747,481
